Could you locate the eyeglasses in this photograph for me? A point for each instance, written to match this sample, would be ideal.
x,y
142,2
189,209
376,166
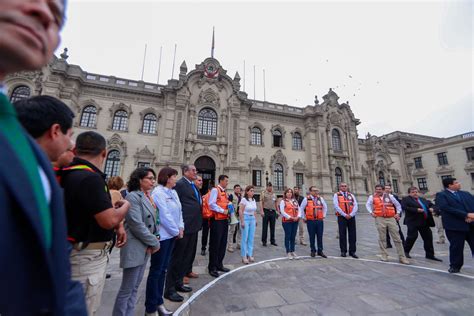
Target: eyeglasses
x,y
152,178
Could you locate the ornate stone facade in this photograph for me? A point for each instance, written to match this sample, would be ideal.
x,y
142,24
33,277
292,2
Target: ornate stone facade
x,y
204,113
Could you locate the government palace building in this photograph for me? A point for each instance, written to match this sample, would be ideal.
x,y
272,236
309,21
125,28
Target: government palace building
x,y
205,118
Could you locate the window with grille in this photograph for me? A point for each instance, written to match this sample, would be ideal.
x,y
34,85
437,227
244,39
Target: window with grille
x,y
207,122
338,174
257,178
470,153
89,116
256,136
149,124
278,174
299,180
277,138
20,93
120,121
297,141
422,184
442,159
112,164
395,185
418,163
336,140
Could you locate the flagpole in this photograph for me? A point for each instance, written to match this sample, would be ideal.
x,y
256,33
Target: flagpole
x,y
254,82
159,66
174,59
244,75
212,47
143,67
264,92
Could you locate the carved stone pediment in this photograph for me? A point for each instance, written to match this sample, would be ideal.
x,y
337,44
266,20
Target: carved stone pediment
x,y
279,157
257,163
209,96
145,155
299,166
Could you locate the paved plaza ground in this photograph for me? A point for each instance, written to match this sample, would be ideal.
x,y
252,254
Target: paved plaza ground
x,y
317,286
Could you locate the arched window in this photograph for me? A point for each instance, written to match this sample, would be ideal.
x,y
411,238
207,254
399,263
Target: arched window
x,y
297,141
112,164
149,124
277,138
381,178
338,174
89,116
207,122
256,136
278,177
20,93
120,120
336,140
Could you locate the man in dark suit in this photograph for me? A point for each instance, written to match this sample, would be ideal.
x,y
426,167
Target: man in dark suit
x,y
419,219
35,273
182,257
457,214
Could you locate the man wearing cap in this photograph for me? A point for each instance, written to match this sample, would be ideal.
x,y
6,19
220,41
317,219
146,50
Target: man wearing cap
x,y
35,273
268,202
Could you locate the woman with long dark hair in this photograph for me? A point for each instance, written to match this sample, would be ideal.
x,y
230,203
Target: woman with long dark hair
x,y
171,227
247,210
143,239
290,211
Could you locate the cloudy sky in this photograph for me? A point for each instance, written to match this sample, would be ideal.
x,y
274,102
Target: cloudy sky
x,y
402,65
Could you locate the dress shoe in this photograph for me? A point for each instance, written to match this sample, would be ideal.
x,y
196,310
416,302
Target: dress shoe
x,y
343,254
407,255
321,254
454,270
264,244
174,297
404,260
313,254
223,269
434,258
274,244
214,273
184,289
162,311
353,255
185,280
203,252
192,275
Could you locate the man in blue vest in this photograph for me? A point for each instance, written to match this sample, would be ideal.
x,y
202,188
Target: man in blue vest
x,y
457,214
35,273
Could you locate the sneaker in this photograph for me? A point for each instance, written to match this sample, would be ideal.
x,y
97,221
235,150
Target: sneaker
x,y
289,256
230,249
245,260
404,260
303,243
294,255
384,258
251,259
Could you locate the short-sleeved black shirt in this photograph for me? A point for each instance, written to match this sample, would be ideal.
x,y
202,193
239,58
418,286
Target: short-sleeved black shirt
x,y
85,194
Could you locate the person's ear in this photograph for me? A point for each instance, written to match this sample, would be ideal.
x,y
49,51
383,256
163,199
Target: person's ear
x,y
54,131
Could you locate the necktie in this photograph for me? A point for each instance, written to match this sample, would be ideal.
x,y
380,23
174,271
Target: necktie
x,y
196,193
13,132
425,211
456,195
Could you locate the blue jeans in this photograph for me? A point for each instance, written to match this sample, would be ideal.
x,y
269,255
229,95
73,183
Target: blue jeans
x,y
127,295
315,228
290,229
248,233
156,277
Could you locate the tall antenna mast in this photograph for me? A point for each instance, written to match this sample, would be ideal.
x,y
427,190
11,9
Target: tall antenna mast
x,y
143,67
212,47
174,59
159,66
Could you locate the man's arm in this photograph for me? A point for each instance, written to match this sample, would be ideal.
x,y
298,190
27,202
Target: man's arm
x,y
407,207
397,205
369,204
355,207
302,208
325,207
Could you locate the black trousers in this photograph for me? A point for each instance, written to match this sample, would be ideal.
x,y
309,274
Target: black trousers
x,y
192,256
426,235
205,233
269,217
347,225
402,237
456,246
181,258
217,243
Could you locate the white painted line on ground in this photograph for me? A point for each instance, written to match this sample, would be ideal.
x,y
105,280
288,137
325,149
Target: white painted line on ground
x,y
223,276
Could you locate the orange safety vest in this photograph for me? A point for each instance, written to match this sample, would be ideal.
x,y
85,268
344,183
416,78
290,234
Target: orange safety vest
x,y
346,205
207,213
383,206
223,203
314,211
291,208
